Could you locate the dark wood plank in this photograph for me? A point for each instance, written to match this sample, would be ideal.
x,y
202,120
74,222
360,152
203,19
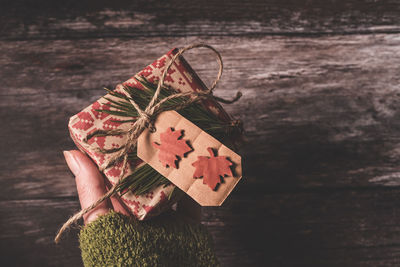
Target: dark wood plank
x,y
27,233
320,106
331,228
321,112
21,19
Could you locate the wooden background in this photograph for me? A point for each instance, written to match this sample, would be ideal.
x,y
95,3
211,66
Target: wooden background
x,y
321,108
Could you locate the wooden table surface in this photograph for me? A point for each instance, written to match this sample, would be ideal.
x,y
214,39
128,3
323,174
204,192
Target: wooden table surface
x,y
321,99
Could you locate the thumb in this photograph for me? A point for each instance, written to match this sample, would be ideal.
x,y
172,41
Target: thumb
x,y
89,183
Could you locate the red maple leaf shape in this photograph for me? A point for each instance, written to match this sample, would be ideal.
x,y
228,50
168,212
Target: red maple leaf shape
x,y
171,147
212,168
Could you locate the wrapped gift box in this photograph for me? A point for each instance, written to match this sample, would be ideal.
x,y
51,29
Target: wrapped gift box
x,y
180,77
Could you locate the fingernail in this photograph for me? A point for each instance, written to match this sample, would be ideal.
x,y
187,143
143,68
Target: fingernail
x,y
72,163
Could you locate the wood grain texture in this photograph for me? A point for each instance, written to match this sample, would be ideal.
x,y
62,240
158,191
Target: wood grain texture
x,y
317,113
44,19
331,228
27,233
321,94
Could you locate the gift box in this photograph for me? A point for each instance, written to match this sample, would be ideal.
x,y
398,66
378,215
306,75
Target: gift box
x,y
181,78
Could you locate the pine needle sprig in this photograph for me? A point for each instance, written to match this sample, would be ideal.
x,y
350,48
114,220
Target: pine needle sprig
x,y
145,178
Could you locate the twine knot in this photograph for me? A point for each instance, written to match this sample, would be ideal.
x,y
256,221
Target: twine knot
x,y
148,120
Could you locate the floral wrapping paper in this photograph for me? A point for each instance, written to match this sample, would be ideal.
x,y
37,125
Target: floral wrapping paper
x,y
180,77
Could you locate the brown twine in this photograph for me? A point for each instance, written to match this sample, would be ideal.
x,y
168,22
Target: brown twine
x,y
145,120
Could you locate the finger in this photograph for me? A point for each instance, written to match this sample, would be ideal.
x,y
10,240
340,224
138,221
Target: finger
x,y
118,206
89,183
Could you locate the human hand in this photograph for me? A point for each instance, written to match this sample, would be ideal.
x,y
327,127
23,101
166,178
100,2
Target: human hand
x,y
90,185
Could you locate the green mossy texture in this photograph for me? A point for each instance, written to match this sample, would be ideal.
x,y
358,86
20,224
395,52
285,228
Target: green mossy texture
x,y
168,240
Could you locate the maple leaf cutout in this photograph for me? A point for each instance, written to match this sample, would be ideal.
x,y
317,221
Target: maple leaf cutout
x,y
212,168
171,147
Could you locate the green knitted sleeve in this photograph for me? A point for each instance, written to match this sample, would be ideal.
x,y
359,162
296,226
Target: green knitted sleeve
x,y
168,240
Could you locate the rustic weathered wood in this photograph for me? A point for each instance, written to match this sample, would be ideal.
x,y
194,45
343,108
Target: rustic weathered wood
x,y
321,95
331,228
318,115
46,19
27,233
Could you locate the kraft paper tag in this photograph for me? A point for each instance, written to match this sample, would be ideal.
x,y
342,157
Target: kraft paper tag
x,y
182,177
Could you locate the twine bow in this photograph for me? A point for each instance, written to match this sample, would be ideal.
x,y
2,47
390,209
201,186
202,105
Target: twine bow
x,y
145,120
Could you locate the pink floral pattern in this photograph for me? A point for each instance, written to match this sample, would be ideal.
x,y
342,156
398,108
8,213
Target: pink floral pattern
x,y
180,77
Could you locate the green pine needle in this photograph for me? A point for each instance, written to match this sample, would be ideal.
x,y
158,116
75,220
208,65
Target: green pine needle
x,y
145,178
